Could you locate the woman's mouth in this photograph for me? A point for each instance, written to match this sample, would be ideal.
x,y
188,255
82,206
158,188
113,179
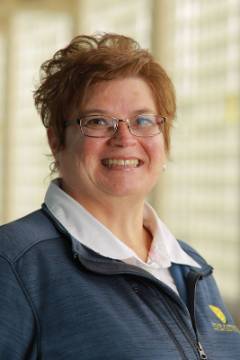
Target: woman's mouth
x,y
121,163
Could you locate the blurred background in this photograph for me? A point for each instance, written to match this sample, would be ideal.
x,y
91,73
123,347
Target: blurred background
x,y
198,43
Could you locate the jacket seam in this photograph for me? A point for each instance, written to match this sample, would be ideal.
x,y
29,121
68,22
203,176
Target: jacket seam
x,y
28,248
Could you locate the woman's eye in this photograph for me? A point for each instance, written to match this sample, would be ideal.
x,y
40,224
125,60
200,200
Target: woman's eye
x,y
96,122
145,121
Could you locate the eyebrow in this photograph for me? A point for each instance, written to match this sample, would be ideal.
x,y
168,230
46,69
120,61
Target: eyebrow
x,y
93,111
101,111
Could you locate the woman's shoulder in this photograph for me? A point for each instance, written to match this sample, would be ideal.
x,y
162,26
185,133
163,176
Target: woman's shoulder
x,y
193,253
20,235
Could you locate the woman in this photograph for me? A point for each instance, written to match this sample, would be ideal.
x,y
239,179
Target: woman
x,y
95,274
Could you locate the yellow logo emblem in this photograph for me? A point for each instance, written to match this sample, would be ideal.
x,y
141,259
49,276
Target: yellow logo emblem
x,y
219,314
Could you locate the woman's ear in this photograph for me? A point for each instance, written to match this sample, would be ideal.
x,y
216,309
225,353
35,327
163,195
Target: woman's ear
x,y
52,141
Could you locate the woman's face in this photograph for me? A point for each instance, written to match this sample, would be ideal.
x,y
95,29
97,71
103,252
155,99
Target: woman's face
x,y
85,164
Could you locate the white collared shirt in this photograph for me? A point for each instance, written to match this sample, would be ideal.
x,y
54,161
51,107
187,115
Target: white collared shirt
x,y
85,228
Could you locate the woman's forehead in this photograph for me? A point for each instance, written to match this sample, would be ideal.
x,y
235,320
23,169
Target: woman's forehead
x,y
120,93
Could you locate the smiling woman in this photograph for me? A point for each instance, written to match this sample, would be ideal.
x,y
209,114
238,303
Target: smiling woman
x,y
95,271
118,164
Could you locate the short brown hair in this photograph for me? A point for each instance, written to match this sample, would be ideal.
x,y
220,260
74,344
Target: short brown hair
x,y
67,76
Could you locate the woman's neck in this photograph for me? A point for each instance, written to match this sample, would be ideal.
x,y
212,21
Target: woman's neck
x,y
124,218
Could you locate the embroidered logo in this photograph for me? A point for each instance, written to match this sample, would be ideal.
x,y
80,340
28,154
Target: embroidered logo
x,y
222,325
219,314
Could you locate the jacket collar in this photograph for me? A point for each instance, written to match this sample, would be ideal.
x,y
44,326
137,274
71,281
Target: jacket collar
x,y
101,264
84,227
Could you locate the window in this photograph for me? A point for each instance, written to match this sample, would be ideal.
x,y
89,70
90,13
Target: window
x,y
34,36
202,182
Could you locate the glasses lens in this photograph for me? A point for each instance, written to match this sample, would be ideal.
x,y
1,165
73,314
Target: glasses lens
x,y
146,125
97,126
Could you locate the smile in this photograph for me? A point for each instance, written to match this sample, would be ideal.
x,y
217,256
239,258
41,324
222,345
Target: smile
x,y
121,163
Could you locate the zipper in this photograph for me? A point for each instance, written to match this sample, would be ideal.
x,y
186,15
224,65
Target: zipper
x,y
192,281
201,352
184,328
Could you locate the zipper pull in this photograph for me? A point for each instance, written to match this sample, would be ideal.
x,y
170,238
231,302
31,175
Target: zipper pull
x,y
201,352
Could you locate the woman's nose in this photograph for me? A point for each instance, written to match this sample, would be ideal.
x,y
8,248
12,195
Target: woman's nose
x,y
123,136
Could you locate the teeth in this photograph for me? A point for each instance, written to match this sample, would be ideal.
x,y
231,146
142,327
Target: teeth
x,y
121,162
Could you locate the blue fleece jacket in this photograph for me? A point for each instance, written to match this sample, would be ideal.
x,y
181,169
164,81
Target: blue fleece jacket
x,y
61,301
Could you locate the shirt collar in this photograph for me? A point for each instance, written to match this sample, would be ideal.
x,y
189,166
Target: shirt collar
x,y
85,228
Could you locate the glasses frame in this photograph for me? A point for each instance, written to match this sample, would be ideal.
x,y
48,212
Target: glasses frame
x,y
79,120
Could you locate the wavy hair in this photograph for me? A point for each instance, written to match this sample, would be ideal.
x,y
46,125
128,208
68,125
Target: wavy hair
x,y
65,79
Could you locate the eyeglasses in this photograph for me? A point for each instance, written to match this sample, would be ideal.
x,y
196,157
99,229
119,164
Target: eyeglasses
x,y
101,126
